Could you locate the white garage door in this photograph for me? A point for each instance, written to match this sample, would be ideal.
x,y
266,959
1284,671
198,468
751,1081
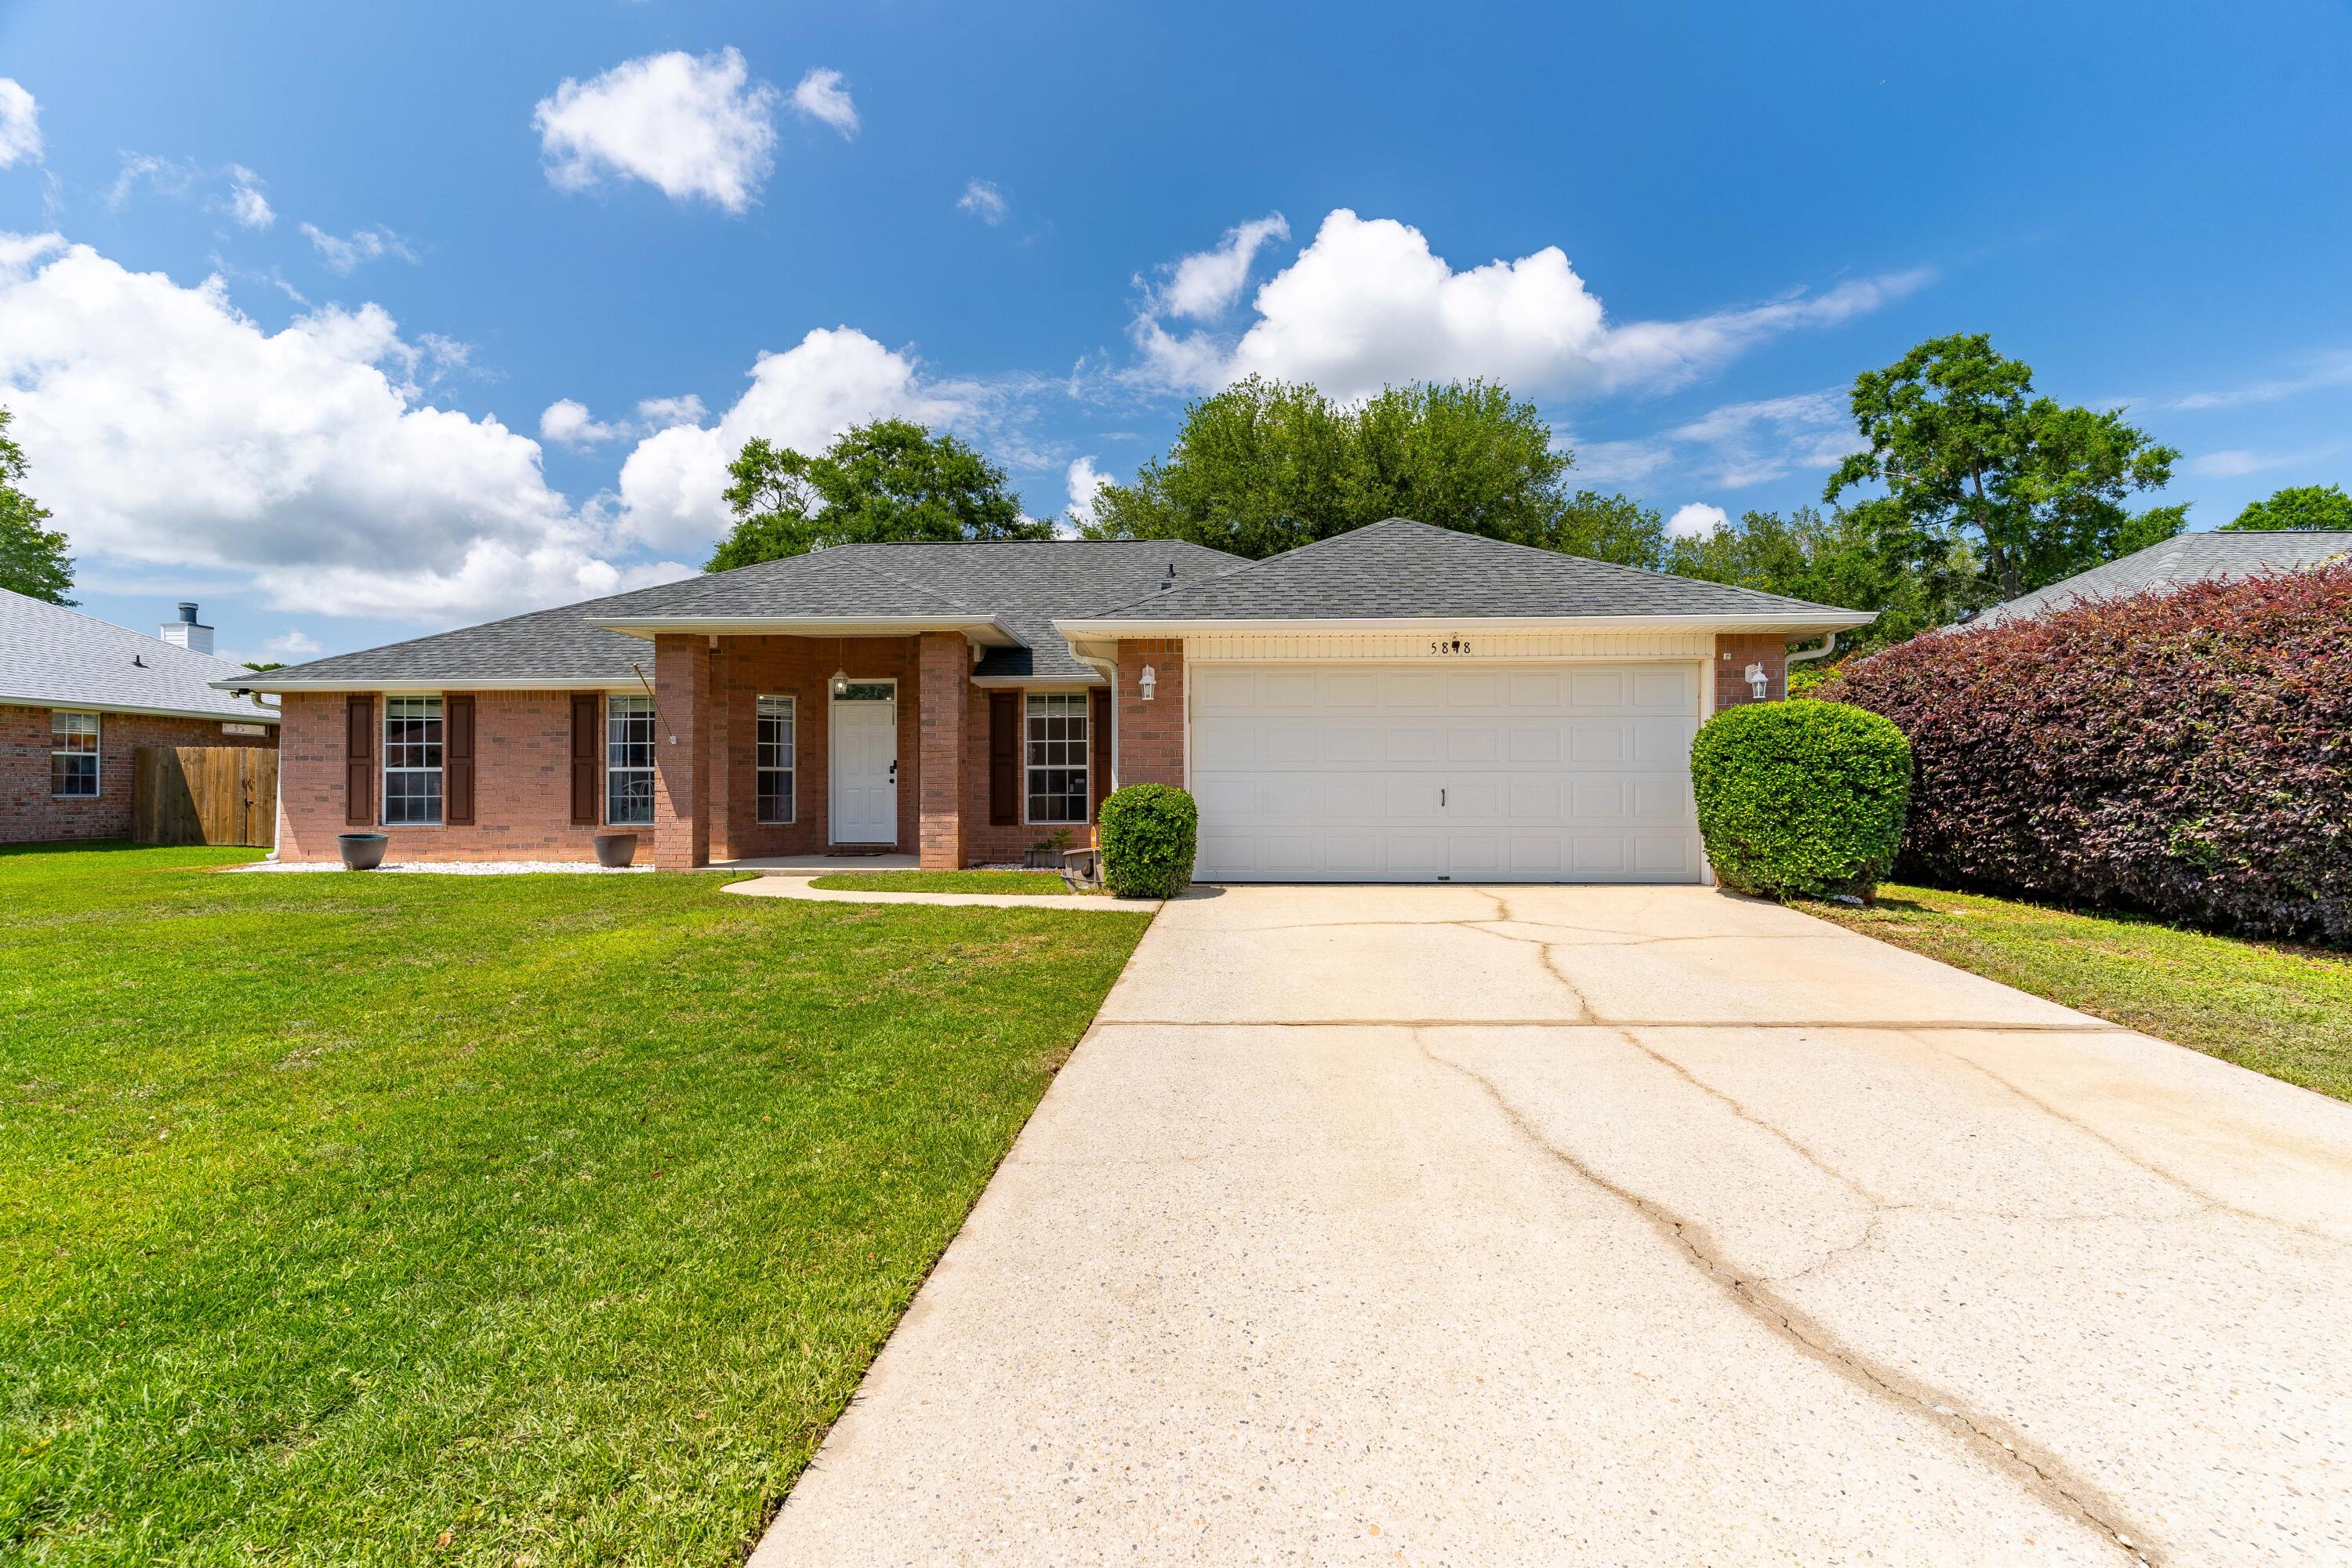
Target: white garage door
x,y
1406,773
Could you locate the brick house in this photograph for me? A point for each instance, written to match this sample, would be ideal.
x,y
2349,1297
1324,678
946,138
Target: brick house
x,y
79,696
1397,703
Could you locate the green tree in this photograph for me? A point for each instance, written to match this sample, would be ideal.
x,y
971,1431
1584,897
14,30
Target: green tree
x,y
1838,559
2295,510
886,481
1267,466
1969,455
32,560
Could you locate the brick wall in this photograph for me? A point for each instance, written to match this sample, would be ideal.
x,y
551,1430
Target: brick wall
x,y
945,683
745,669
1151,734
1733,654
990,843
29,814
522,784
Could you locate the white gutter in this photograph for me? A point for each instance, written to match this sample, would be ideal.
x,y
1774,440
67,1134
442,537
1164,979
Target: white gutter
x,y
1110,673
451,683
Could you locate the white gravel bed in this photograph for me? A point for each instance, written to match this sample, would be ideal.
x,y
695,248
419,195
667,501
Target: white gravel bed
x,y
459,867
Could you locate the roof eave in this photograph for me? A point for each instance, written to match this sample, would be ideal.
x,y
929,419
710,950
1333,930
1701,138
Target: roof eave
x,y
986,630
445,683
75,705
1796,623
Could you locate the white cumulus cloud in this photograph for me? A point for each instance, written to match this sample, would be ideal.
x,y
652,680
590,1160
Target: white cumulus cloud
x,y
1368,304
171,430
1204,285
1085,482
984,201
566,423
672,489
20,124
824,95
1696,520
689,126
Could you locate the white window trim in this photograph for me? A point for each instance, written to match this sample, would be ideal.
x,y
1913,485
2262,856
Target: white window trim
x,y
792,757
384,770
1087,709
652,771
99,769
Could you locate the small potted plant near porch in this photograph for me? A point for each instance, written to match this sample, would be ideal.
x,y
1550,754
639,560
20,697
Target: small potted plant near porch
x,y
614,850
1045,854
362,851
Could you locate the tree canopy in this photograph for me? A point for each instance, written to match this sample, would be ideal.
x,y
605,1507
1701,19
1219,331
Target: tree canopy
x,y
878,483
32,560
1838,559
1267,466
2295,510
1969,457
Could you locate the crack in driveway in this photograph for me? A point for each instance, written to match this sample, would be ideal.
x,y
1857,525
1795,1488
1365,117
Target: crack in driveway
x,y
2048,1476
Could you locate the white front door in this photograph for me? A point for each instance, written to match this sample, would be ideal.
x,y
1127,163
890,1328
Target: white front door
x,y
865,794
1383,772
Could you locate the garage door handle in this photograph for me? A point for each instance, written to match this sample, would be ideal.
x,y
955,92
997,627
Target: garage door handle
x,y
1441,797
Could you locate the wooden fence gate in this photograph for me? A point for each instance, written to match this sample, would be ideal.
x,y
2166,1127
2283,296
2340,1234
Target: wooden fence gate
x,y
204,795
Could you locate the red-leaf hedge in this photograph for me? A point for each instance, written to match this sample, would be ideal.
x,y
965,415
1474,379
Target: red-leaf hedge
x,y
2185,753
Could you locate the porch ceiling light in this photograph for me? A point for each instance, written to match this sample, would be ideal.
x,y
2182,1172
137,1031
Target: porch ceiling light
x,y
841,683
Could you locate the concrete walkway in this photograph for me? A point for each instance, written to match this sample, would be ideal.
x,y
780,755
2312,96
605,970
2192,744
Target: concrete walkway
x,y
1613,1226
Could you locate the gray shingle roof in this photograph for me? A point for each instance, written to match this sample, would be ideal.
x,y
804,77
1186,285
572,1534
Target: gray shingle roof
x,y
1401,568
52,656
2174,562
1021,585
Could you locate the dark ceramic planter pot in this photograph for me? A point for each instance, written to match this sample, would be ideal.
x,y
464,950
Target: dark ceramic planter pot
x,y
361,851
614,850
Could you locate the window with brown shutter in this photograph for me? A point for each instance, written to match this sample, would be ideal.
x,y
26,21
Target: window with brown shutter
x,y
1100,772
1004,756
457,761
359,760
587,735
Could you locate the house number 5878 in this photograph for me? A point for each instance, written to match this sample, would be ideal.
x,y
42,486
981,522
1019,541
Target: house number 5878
x,y
1451,646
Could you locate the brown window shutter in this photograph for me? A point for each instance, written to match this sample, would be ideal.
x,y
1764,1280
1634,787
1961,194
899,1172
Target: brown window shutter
x,y
1099,752
359,760
584,759
457,761
1004,756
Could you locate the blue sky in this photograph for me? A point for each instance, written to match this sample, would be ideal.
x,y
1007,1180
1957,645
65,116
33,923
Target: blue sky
x,y
358,322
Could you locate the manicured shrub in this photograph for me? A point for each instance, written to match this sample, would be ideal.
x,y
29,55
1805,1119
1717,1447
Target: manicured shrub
x,y
1148,835
2185,753
1801,797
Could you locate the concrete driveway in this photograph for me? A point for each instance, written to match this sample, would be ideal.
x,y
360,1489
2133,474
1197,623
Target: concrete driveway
x,y
1613,1226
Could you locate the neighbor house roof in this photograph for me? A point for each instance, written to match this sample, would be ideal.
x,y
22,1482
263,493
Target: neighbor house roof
x,y
2176,563
52,656
1401,570
1004,594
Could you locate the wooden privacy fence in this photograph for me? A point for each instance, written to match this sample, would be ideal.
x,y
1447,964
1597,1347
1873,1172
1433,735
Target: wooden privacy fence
x,y
204,795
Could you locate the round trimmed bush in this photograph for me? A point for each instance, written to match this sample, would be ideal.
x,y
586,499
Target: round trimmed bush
x,y
1148,833
1801,797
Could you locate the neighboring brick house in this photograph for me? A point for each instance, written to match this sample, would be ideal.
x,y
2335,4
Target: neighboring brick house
x,y
1399,702
79,696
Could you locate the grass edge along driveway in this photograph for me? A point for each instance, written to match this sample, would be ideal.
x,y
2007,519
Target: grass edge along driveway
x,y
2278,1009
519,1219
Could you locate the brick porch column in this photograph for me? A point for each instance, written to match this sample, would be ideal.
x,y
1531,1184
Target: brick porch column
x,y
681,721
941,675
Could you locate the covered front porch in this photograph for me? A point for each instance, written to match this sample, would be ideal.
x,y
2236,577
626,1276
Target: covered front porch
x,y
774,751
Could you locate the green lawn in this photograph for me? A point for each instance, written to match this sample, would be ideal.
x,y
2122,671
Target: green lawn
x,y
2285,1011
1049,882
358,1219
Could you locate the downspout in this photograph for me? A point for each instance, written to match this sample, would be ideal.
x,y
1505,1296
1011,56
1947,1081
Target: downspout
x,y
1109,673
1806,655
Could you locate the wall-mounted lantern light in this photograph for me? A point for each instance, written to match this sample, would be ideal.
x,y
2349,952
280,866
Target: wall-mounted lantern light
x,y
1148,680
841,683
1759,682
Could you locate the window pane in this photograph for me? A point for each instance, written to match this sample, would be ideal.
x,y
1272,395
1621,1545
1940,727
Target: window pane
x,y
1056,757
411,796
774,759
73,774
73,731
629,798
869,691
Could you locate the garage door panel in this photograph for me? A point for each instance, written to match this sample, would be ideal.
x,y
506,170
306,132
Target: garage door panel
x,y
1338,773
